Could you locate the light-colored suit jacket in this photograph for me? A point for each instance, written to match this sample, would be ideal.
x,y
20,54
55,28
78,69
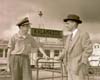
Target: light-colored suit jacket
x,y
78,51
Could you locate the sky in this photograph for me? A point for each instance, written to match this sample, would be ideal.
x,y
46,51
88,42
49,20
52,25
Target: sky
x,y
54,11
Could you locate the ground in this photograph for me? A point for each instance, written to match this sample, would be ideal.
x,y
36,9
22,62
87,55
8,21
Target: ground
x,y
46,75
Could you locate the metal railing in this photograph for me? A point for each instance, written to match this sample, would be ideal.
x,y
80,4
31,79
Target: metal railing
x,y
49,61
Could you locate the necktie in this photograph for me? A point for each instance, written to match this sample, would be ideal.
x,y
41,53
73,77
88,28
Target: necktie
x,y
71,36
70,40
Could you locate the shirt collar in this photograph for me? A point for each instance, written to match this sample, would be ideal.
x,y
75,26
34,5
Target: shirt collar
x,y
74,32
22,36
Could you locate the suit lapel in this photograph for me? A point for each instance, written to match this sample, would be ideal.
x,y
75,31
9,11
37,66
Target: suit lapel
x,y
74,40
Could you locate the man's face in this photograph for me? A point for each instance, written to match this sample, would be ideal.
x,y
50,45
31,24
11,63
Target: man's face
x,y
71,25
25,28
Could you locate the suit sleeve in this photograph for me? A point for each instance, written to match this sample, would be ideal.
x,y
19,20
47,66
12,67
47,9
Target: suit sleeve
x,y
63,54
87,47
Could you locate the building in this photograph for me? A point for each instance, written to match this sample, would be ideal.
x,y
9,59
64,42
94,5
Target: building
x,y
95,58
3,54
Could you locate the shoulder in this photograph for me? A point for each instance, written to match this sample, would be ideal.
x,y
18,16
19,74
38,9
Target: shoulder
x,y
84,33
30,37
14,36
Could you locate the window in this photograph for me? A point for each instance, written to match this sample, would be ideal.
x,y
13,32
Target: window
x,y
6,52
1,52
47,52
56,53
40,54
96,46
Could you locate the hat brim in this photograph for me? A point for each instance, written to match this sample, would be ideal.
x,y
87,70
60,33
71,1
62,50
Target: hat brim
x,y
23,24
78,21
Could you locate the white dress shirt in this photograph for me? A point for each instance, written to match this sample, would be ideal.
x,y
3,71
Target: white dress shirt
x,y
74,33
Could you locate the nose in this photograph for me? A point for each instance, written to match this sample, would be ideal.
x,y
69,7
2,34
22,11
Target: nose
x,y
67,26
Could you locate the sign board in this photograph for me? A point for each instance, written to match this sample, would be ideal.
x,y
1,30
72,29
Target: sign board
x,y
38,32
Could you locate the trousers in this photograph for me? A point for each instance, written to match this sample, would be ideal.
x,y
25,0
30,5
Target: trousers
x,y
20,67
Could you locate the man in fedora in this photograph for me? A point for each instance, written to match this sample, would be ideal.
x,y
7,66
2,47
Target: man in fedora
x,y
19,49
77,49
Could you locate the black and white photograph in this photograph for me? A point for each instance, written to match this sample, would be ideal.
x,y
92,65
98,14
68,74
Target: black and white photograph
x,y
49,40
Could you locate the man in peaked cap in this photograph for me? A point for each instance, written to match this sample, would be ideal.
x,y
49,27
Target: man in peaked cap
x,y
77,49
19,49
23,22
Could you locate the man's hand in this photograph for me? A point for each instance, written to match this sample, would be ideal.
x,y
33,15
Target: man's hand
x,y
57,58
43,52
45,56
82,66
7,68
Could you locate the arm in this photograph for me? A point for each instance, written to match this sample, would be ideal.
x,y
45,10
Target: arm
x,y
64,50
36,44
8,57
61,56
11,45
87,48
42,51
87,51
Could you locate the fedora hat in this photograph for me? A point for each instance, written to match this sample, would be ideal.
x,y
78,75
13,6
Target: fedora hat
x,y
73,17
23,22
